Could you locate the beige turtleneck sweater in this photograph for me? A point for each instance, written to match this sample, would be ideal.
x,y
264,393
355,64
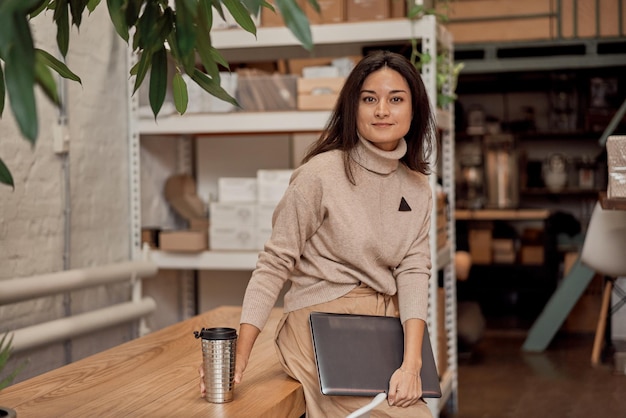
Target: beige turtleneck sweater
x,y
329,235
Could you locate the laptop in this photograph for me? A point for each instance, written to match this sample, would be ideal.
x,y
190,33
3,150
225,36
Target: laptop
x,y
357,354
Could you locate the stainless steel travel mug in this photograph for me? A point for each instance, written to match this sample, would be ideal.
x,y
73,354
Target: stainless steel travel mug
x,y
218,357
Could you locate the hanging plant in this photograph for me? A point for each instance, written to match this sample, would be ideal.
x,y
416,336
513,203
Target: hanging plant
x,y
447,72
178,30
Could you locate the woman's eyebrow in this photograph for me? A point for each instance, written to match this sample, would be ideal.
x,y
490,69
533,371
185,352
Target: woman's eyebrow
x,y
392,91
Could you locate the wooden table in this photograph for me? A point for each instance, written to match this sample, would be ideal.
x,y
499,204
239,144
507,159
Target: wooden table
x,y
157,376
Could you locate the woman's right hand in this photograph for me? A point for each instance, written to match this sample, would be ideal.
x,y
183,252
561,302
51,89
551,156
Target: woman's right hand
x,y
202,386
247,336
241,361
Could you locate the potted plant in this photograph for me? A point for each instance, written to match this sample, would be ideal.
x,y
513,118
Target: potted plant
x,y
5,353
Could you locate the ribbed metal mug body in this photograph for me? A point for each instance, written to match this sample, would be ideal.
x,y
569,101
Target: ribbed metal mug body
x,y
218,355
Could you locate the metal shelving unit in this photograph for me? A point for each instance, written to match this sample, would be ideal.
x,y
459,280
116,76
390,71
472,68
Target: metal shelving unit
x,y
334,40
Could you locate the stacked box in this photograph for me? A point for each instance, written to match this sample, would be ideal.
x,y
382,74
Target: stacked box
x,y
237,189
233,226
271,185
362,10
616,154
242,218
480,243
319,93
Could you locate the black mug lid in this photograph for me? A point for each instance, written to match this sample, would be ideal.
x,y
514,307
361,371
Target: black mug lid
x,y
216,333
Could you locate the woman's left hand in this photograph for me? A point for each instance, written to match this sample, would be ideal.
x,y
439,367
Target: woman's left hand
x,y
405,388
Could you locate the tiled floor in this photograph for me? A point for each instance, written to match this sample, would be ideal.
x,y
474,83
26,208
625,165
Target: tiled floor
x,y
499,380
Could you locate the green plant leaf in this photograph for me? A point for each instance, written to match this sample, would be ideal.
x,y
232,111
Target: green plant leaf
x,y
218,6
62,20
56,65
5,353
133,7
147,35
43,6
179,89
212,87
118,17
2,91
19,73
20,6
254,6
185,28
92,4
241,15
316,5
296,20
5,176
44,78
142,69
165,25
203,39
76,9
158,80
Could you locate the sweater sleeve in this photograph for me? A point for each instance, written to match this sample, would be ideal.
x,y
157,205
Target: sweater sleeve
x,y
294,220
413,273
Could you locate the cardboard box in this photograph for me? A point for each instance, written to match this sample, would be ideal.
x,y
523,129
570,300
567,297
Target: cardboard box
x,y
259,91
150,236
362,10
532,254
399,9
480,245
318,93
331,11
183,241
296,65
271,18
616,151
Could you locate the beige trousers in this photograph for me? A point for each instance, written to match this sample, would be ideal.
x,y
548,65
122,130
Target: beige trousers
x,y
295,351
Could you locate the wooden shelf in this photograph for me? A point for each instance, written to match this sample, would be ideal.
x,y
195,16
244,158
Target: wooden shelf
x,y
232,260
612,203
502,214
376,31
291,121
235,122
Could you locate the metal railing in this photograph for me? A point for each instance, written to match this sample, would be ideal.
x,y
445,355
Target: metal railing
x,y
27,288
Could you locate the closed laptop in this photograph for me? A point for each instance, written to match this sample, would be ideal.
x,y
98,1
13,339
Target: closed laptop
x,y
357,354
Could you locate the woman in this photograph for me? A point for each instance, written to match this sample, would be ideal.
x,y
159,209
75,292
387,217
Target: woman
x,y
351,233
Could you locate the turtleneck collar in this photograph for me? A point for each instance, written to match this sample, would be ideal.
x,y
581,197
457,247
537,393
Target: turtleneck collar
x,y
374,159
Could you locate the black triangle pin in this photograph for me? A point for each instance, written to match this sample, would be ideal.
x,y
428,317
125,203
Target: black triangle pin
x,y
404,206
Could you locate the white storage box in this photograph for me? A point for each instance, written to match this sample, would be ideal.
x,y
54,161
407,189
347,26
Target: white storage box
x,y
199,101
271,185
232,237
233,214
236,189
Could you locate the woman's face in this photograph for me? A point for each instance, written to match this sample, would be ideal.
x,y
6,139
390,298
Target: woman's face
x,y
385,110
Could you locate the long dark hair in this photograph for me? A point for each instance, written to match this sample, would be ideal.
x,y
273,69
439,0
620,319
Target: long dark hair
x,y
341,131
